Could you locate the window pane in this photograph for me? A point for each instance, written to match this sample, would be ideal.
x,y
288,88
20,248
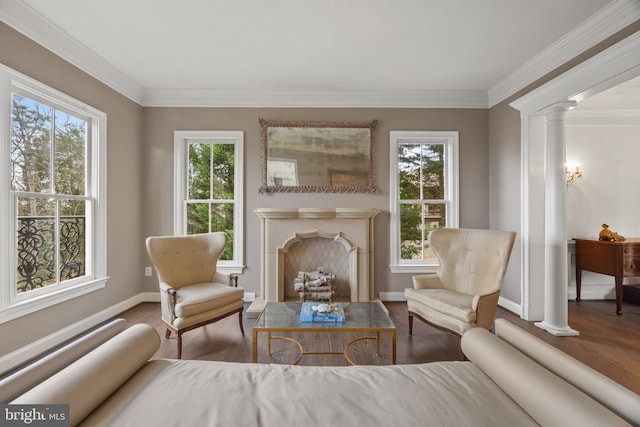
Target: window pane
x,y
72,239
434,217
36,264
416,222
30,145
409,171
223,171
222,220
70,138
199,170
410,231
197,218
433,171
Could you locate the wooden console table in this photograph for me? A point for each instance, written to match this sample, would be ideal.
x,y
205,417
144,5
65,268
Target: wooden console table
x,y
619,259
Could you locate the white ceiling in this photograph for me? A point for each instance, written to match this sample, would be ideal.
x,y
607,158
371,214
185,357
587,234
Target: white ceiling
x,y
165,48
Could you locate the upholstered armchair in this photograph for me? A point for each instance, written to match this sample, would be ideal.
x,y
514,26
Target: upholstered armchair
x,y
192,292
464,293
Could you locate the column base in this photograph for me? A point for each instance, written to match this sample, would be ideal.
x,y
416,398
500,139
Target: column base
x,y
557,330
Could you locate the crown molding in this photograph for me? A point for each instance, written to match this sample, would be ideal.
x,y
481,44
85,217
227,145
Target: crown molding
x,y
24,19
29,22
622,61
609,20
316,98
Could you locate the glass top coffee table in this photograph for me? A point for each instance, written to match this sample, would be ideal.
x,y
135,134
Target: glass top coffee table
x,y
362,317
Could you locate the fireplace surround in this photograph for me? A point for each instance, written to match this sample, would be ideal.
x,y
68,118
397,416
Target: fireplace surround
x,y
283,229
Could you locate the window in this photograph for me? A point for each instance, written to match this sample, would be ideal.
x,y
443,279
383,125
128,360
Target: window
x,y
53,237
423,194
208,189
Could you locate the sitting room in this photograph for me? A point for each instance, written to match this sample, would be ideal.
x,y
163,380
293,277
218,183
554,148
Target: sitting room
x,y
342,159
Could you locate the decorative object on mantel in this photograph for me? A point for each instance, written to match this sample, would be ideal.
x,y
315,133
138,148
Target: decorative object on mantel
x,y
608,235
318,157
321,312
314,285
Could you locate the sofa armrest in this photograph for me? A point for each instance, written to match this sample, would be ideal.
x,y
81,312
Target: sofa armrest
x,y
532,386
87,382
427,281
617,398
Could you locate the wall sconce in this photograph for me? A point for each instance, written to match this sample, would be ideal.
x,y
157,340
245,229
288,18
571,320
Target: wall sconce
x,y
572,173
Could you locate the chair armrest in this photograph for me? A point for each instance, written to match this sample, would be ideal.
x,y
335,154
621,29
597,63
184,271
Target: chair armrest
x,y
485,307
172,294
226,279
427,281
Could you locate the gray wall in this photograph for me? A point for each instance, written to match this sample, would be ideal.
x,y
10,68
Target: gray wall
x,y
160,123
124,189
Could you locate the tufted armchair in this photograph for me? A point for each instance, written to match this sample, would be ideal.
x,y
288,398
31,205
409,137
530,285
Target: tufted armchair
x,y
192,292
464,293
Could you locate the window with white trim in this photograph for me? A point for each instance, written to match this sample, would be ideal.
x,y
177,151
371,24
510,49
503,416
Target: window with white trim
x,y
53,160
423,195
208,189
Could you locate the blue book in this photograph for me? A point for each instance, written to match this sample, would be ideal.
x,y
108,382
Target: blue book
x,y
321,312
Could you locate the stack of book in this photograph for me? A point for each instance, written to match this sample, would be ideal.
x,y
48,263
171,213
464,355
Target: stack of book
x,y
321,312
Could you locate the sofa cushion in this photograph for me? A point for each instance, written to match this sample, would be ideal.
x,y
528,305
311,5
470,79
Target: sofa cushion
x,y
201,297
198,393
453,303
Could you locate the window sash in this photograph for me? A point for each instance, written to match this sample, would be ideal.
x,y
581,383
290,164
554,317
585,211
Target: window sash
x,y
182,140
12,304
426,262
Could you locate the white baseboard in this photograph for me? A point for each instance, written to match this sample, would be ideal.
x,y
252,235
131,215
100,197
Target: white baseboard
x,y
21,355
249,296
392,296
513,307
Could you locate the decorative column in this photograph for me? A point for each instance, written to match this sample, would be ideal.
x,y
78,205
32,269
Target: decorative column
x,y
556,319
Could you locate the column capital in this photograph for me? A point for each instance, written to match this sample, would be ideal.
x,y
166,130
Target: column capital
x,y
558,107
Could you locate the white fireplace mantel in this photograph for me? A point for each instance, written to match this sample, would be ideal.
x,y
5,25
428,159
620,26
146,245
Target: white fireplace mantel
x,y
279,225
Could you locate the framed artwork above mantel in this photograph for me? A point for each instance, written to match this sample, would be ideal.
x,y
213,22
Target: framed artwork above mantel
x,y
318,157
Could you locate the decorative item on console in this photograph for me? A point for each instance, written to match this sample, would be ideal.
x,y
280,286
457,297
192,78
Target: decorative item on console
x,y
608,235
315,285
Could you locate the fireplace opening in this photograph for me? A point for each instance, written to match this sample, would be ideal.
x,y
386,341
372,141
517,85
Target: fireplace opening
x,y
313,254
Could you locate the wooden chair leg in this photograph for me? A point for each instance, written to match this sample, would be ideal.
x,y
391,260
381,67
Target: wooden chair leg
x,y
410,324
179,345
167,334
240,320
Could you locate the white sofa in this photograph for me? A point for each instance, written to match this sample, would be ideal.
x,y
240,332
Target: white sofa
x,y
510,379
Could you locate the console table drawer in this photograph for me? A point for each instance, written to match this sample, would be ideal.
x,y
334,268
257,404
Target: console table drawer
x,y
631,266
632,250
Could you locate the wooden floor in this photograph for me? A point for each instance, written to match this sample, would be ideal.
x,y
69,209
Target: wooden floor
x,y
608,343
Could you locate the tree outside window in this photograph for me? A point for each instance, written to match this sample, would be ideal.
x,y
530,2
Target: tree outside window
x,y
211,183
48,181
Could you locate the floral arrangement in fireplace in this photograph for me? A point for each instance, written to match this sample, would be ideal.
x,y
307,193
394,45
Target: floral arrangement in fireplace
x,y
314,285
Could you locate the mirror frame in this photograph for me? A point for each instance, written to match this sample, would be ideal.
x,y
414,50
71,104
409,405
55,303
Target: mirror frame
x,y
370,187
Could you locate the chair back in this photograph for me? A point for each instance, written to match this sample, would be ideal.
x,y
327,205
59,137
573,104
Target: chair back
x,y
185,260
472,261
